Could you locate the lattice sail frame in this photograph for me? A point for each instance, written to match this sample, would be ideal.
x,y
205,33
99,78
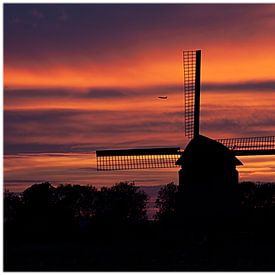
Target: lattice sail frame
x,y
247,146
109,160
191,66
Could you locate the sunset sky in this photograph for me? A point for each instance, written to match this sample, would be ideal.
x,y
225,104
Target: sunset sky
x,y
82,77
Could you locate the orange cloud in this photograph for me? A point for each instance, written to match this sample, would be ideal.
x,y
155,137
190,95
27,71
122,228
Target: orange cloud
x,y
150,67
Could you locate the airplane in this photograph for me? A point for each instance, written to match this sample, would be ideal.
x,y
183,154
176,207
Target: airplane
x,y
162,97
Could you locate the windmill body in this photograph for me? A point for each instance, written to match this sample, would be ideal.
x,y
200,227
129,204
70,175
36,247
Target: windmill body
x,y
208,179
208,176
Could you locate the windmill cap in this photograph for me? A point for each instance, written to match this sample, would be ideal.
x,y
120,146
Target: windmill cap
x,y
208,152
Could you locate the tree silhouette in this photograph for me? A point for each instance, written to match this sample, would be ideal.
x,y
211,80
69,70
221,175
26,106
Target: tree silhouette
x,y
166,202
39,196
75,206
39,212
247,194
121,203
257,195
264,195
12,208
76,199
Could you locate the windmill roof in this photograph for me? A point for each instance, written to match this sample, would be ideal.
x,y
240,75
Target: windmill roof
x,y
207,151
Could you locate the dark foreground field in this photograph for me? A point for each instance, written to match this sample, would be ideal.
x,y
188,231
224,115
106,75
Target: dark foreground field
x,y
80,228
147,247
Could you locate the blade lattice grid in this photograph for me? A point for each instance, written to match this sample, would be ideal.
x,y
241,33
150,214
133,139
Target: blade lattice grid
x,y
250,145
189,65
109,160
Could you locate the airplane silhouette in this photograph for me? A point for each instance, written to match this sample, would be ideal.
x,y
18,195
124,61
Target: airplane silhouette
x,y
162,97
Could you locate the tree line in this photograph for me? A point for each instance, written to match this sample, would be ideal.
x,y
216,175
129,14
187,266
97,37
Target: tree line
x,y
81,228
44,207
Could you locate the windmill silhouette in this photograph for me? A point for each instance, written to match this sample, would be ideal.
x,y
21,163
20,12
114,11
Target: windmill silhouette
x,y
167,157
208,176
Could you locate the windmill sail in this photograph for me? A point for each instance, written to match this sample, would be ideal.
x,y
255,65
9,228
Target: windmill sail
x,y
108,160
247,146
192,67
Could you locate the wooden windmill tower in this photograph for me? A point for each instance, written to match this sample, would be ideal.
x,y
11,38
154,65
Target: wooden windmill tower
x,y
208,167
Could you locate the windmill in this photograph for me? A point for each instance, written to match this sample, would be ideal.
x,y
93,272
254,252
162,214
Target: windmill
x,y
108,160
208,167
